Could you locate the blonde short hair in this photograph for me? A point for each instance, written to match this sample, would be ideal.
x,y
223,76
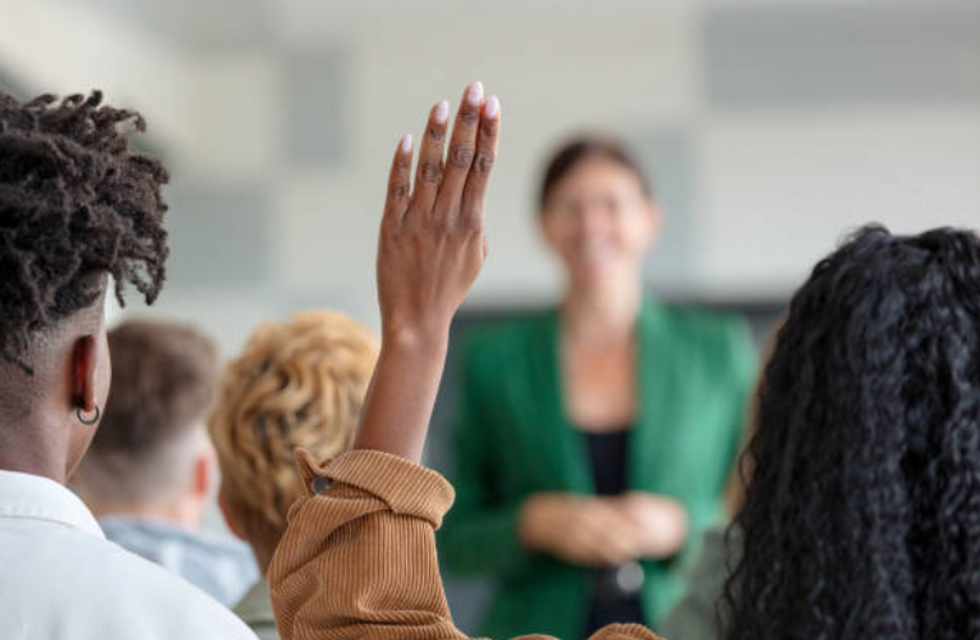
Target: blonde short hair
x,y
298,384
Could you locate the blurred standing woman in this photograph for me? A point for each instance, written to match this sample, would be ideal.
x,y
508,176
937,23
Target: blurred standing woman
x,y
594,439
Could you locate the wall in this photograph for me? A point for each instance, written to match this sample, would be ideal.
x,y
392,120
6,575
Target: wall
x,y
773,128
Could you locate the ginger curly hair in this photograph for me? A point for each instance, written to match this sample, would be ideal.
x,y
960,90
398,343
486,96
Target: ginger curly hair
x,y
298,384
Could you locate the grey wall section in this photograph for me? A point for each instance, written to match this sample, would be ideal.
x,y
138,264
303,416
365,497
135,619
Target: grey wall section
x,y
813,56
11,86
220,237
315,108
668,157
200,24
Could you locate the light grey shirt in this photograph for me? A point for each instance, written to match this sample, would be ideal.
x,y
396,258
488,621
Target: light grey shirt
x,y
221,566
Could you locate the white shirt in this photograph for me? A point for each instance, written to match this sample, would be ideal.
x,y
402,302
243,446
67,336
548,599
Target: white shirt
x,y
60,579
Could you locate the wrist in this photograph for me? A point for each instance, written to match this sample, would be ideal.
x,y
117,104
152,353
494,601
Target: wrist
x,y
397,410
530,531
412,339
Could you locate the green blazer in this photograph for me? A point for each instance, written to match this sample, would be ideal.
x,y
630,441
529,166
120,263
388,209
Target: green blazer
x,y
512,440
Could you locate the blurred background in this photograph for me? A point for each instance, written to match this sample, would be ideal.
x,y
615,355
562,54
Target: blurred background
x,y
771,129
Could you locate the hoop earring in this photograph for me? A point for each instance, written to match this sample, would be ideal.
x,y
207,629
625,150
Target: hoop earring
x,y
89,421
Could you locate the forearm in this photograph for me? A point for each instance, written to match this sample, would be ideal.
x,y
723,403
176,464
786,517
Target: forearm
x,y
398,407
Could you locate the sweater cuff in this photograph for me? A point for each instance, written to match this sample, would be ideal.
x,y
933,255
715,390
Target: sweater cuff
x,y
407,488
622,631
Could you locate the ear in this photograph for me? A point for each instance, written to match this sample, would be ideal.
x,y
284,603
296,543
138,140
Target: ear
x,y
84,361
656,217
203,475
545,229
226,513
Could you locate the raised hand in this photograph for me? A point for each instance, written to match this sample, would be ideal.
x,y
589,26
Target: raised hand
x,y
430,250
432,243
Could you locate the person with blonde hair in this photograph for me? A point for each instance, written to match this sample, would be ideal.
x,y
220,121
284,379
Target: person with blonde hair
x,y
297,384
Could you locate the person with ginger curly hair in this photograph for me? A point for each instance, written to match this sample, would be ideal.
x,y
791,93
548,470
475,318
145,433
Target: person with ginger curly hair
x,y
76,206
297,384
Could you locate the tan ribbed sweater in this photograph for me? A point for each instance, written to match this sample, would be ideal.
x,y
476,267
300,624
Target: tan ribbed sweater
x,y
358,561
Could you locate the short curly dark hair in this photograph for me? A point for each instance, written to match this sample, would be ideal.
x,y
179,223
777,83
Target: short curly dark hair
x,y
75,203
862,513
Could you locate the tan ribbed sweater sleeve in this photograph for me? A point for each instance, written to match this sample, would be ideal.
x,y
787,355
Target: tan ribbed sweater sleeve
x,y
358,561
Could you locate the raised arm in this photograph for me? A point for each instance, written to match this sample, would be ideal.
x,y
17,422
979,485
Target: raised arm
x,y
432,247
358,561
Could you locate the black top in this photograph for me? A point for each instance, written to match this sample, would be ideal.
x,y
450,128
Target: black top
x,y
608,454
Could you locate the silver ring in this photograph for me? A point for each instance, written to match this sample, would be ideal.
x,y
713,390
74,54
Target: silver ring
x,y
89,421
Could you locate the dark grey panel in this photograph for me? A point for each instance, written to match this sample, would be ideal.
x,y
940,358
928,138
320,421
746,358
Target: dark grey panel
x,y
219,237
919,53
8,84
316,95
205,24
668,157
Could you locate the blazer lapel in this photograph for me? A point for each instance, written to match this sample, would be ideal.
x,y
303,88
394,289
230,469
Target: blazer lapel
x,y
560,445
656,378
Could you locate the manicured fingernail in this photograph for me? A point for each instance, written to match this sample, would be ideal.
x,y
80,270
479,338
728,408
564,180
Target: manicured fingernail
x,y
406,145
474,94
492,107
442,112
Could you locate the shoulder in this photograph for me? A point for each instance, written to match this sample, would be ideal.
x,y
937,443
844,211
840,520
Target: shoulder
x,y
720,341
491,345
102,584
697,326
508,333
696,323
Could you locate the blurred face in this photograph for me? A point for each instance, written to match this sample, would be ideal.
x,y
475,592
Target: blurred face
x,y
599,222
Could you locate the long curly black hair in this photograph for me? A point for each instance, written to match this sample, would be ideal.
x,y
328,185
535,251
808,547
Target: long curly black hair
x,y
862,514
75,203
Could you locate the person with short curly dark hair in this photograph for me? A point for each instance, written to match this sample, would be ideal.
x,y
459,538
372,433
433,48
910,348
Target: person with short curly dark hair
x,y
76,207
862,512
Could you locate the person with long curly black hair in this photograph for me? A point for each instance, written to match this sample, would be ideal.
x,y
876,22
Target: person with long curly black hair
x,y
862,512
76,207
